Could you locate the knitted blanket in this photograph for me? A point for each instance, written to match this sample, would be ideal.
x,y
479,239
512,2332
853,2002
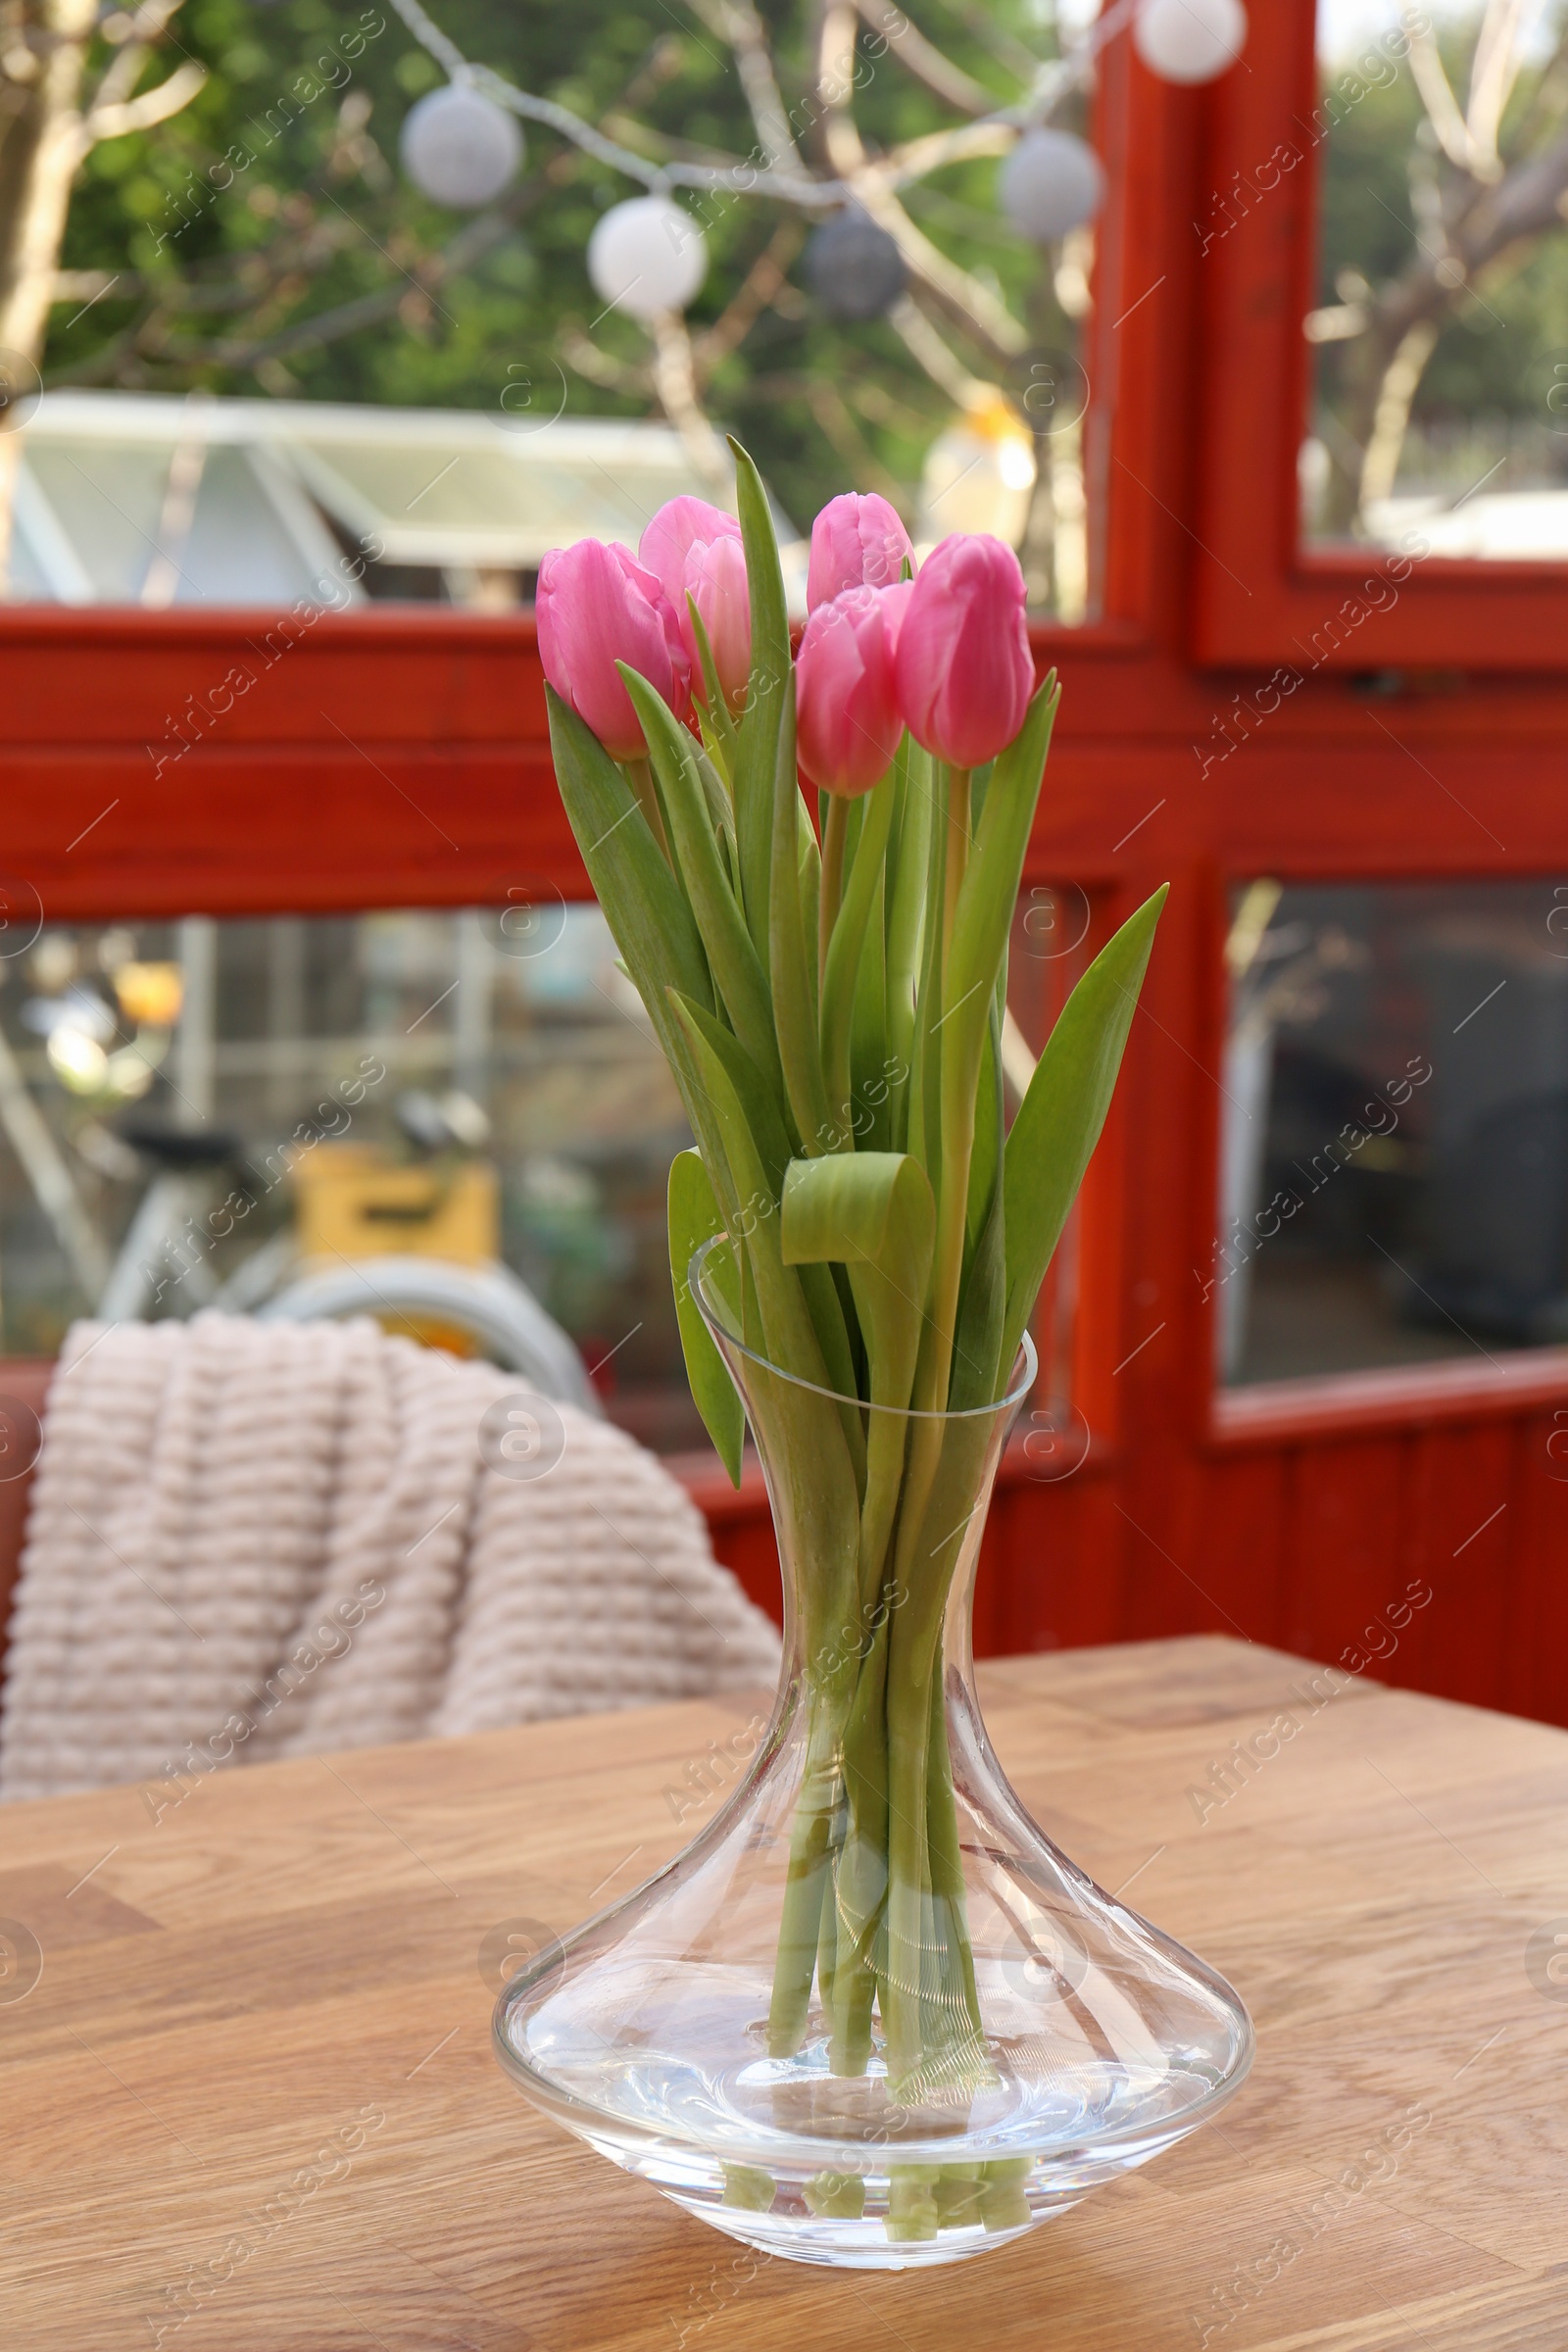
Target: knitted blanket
x,y
252,1540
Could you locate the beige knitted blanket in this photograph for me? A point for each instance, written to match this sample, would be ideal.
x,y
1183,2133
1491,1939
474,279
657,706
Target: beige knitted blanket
x,y
253,1540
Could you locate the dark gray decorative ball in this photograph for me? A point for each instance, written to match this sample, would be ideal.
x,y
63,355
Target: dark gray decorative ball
x,y
854,268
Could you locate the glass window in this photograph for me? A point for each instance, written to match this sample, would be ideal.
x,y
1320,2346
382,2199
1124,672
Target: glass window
x,y
1393,1184
333,321
1439,332
465,1087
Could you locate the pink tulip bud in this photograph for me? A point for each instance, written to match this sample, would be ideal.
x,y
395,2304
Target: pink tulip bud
x,y
855,542
964,669
847,725
716,581
597,606
681,524
677,538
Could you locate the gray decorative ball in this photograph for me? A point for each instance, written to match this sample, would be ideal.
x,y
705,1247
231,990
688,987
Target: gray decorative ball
x,y
855,268
1049,183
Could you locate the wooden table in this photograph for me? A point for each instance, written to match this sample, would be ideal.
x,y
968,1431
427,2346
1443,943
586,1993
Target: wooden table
x,y
259,2047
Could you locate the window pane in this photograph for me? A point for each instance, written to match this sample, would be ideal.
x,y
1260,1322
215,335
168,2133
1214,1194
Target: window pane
x,y
1440,329
335,329
471,1086
1394,1172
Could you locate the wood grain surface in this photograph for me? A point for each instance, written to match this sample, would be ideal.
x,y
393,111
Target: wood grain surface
x,y
256,2054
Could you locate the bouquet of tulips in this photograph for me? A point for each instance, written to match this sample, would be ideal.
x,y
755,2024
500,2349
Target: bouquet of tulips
x,y
830,995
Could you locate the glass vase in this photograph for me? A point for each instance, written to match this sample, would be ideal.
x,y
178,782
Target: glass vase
x,y
872,2015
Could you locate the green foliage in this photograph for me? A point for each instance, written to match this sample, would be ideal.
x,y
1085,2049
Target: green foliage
x,y
246,287
1377,149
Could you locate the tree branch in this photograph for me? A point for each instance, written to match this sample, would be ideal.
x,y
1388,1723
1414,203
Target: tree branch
x,y
1494,70
924,60
737,22
1442,107
761,282
579,351
114,121
983,311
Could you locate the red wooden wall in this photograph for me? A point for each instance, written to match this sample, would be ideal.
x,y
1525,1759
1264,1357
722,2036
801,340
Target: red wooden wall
x,y
399,758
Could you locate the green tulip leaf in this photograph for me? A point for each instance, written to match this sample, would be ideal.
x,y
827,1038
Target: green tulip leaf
x,y
647,910
731,957
695,1218
769,690
873,1212
765,1122
794,968
1060,1117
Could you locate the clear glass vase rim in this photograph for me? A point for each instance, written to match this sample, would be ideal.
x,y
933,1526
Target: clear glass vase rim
x,y
1026,1355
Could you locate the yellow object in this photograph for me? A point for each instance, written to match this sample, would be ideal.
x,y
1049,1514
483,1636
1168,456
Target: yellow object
x,y
979,473
353,1202
150,993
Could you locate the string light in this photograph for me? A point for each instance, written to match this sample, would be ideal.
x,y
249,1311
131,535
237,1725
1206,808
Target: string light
x,y
1049,183
1190,40
459,148
647,257
855,268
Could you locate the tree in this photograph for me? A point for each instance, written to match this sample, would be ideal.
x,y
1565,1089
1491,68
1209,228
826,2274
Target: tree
x,y
1483,186
53,112
317,270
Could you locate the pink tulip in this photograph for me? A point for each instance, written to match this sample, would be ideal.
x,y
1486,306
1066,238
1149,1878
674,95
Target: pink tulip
x,y
716,581
681,524
597,606
676,544
854,542
964,669
847,725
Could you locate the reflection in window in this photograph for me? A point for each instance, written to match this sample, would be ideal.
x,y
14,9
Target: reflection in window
x,y
196,1111
1440,326
1394,1182
1049,950
329,325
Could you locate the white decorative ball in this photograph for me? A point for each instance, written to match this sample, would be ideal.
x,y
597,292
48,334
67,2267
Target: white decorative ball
x,y
647,256
459,148
1190,40
1049,183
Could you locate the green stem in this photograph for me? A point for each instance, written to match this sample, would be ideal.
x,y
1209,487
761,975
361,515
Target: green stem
x,y
905,919
807,1884
958,799
907,1712
833,833
864,1866
956,1128
841,950
961,1993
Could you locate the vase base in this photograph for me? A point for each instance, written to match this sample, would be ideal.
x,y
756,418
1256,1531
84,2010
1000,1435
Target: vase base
x,y
792,2160
863,2245
899,2216
894,2229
